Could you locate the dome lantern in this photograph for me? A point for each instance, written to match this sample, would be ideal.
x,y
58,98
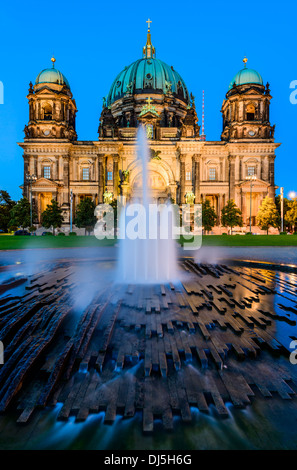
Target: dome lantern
x,y
149,51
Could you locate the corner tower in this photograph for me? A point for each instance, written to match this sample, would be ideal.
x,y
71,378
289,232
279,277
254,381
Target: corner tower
x,y
246,108
52,109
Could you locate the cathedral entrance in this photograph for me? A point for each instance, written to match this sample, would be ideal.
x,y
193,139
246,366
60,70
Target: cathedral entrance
x,y
157,187
45,200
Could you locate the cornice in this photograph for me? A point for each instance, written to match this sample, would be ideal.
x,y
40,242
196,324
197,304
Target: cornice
x,y
97,148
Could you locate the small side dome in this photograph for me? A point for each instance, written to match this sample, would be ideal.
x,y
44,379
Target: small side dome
x,y
245,76
52,75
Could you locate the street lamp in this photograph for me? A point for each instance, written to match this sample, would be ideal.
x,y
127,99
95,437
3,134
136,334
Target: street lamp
x,y
71,205
30,179
251,178
282,208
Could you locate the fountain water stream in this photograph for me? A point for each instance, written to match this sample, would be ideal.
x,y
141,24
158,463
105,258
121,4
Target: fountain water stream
x,y
150,257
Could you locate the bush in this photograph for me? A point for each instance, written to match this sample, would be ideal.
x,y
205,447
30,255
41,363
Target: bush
x,y
294,233
48,233
32,228
72,234
224,233
249,233
283,233
61,234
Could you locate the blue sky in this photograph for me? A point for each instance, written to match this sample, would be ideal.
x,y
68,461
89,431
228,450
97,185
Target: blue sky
x,y
93,40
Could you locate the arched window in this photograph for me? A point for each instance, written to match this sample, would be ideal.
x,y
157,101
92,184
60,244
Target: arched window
x,y
250,112
47,112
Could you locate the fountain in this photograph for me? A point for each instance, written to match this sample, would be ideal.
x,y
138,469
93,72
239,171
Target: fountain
x,y
199,344
150,256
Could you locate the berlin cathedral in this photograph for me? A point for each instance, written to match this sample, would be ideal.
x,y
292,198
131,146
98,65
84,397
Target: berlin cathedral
x,y
183,165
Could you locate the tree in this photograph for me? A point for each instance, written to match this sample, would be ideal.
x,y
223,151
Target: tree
x,y
209,216
286,208
291,214
6,204
231,215
267,215
52,216
85,217
20,214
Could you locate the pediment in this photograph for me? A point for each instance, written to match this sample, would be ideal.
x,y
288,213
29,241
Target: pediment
x,y
256,184
45,182
44,91
151,114
212,162
251,160
253,91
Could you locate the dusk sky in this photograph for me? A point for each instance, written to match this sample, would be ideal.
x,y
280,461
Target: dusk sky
x,y
93,41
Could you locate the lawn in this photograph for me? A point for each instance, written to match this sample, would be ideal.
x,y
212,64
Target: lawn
x,y
10,242
249,240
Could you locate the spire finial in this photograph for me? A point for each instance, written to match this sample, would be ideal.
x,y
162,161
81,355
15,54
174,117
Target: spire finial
x,y
53,61
149,50
202,136
244,60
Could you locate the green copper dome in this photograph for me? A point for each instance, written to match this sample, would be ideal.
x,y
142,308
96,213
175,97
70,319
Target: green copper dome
x,y
147,75
245,76
52,75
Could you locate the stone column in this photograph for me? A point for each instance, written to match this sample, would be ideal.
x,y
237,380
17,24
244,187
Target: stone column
x,y
26,170
265,172
196,169
231,177
240,169
115,175
173,191
101,178
74,169
182,179
271,189
66,181
35,165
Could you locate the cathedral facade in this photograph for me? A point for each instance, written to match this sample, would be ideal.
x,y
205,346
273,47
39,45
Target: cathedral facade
x,y
183,165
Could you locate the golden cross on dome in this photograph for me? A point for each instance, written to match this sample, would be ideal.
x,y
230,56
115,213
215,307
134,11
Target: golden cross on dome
x,y
245,60
149,100
53,61
149,24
